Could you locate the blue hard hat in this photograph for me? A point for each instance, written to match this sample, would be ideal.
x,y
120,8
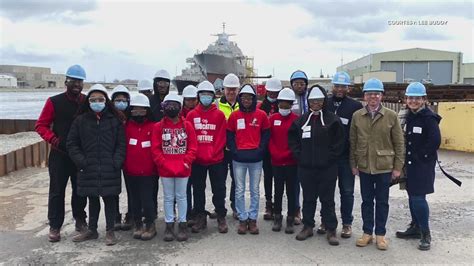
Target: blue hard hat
x,y
415,89
77,72
373,84
341,78
298,74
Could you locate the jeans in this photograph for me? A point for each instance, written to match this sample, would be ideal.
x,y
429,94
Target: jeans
x,y
267,177
346,189
285,175
240,171
174,189
420,211
141,195
217,176
94,211
228,166
374,186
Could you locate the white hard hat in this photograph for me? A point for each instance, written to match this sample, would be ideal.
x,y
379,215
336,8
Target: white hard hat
x,y
286,94
316,93
119,89
273,84
140,100
231,81
98,87
163,74
145,85
190,91
247,88
206,86
173,96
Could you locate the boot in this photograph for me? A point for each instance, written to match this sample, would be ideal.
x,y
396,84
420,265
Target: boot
x,y
235,215
54,235
382,243
268,211
321,229
201,223
346,231
149,232
213,215
191,218
127,223
222,225
298,216
413,231
110,238
425,242
332,238
81,225
364,240
306,232
253,228
118,222
85,235
277,223
289,225
243,227
182,232
139,230
169,232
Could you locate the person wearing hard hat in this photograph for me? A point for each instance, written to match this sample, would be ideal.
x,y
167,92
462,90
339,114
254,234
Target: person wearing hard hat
x,y
161,88
344,107
282,161
139,169
248,133
190,100
174,148
98,127
53,126
377,155
316,140
145,87
210,126
423,139
270,106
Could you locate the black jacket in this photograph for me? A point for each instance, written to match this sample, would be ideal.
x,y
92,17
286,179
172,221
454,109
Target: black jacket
x,y
97,147
156,108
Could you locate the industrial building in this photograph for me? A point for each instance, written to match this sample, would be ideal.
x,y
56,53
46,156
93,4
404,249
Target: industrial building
x,y
417,64
8,81
33,77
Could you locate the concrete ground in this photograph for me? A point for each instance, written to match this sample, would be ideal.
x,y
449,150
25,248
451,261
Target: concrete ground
x,y
23,231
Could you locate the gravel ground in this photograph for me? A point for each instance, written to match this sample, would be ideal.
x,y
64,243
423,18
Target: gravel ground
x,y
13,142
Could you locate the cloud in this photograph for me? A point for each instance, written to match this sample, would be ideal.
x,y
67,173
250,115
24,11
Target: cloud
x,y
423,34
18,55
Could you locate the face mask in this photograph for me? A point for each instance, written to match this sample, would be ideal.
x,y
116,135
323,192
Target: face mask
x,y
206,100
121,105
138,119
272,100
97,107
284,112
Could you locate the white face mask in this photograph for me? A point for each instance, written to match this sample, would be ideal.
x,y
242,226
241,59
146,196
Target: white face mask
x,y
284,112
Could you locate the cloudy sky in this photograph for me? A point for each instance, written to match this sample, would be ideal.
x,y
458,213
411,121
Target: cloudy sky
x,y
132,39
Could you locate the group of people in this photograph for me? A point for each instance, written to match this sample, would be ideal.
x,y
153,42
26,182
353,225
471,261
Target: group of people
x,y
301,139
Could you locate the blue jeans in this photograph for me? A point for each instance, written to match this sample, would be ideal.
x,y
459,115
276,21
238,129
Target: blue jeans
x,y
240,173
174,189
346,189
375,186
420,211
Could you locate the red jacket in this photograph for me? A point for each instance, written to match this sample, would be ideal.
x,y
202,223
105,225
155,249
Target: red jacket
x,y
278,146
210,126
184,112
138,159
173,145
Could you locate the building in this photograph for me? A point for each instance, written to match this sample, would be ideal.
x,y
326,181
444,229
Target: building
x,y
416,64
8,81
34,77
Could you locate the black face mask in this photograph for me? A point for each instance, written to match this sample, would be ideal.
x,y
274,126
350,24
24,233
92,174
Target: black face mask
x,y
171,112
138,119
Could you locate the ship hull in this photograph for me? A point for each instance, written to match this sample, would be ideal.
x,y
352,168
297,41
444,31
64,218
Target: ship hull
x,y
219,65
181,84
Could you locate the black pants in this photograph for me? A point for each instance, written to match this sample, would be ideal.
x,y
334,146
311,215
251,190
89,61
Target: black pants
x,y
319,183
94,210
268,176
217,176
141,195
189,195
155,197
285,175
60,169
228,166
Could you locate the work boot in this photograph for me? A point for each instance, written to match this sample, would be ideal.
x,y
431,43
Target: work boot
x,y
235,215
364,240
85,235
169,232
54,235
149,232
413,231
268,215
182,232
289,225
243,227
118,223
213,215
81,225
306,232
110,238
191,218
201,223
298,216
277,223
127,223
346,231
138,231
222,225
332,238
253,228
425,242
321,229
382,243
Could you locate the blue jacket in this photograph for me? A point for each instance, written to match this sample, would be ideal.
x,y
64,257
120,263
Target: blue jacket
x,y
423,138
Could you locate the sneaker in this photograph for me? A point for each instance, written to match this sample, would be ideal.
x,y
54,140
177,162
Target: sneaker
x,y
364,240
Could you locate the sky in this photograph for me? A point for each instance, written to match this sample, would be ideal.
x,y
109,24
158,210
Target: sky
x,y
133,39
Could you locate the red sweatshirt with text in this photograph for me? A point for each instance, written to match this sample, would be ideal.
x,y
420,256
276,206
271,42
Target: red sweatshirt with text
x,y
278,146
138,159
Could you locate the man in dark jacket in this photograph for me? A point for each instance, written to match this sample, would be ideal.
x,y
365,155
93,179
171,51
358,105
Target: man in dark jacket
x,y
53,126
161,88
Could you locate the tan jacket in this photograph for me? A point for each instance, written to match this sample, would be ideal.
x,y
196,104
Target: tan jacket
x,y
377,145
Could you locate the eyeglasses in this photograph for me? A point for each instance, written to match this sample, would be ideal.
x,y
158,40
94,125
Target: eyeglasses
x,y
97,99
162,82
120,101
246,97
373,94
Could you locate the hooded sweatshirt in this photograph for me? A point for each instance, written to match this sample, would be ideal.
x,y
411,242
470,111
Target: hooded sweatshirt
x,y
278,146
138,159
